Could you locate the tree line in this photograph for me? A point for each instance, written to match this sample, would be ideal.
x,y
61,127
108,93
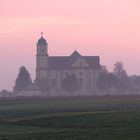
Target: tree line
x,y
118,81
115,82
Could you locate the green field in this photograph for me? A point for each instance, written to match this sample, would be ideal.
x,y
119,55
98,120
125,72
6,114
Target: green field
x,y
74,118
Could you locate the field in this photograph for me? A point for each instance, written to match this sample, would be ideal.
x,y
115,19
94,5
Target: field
x,y
73,118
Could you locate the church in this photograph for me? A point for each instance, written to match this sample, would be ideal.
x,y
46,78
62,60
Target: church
x,y
55,68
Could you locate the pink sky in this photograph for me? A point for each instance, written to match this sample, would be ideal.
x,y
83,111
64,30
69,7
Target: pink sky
x,y
108,28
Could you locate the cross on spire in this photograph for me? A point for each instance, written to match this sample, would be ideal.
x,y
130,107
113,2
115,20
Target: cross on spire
x,y
41,34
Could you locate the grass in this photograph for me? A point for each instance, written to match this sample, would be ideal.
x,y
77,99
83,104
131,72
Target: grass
x,y
74,118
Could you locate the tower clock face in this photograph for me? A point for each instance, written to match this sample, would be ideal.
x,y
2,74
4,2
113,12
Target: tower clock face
x,y
43,50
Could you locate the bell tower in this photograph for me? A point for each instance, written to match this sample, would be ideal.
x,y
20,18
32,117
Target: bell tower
x,y
41,59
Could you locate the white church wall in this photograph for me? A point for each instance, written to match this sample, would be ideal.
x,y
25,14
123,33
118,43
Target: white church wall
x,y
80,74
59,80
42,61
80,62
87,77
43,74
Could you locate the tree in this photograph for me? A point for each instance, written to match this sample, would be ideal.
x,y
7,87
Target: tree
x,y
123,80
103,69
134,84
119,69
70,84
5,93
23,80
106,81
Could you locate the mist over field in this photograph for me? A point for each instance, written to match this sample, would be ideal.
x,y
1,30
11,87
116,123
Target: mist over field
x,y
74,118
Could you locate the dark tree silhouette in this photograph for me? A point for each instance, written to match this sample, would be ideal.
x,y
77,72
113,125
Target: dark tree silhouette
x,y
23,80
6,93
122,77
119,70
70,84
103,69
134,84
122,84
106,81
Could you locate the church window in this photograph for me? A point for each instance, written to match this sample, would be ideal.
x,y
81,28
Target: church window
x,y
90,85
43,50
80,73
91,73
90,82
53,82
66,73
80,82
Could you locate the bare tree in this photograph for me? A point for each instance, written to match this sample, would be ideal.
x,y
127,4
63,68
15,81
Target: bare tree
x,y
119,69
106,81
103,69
123,80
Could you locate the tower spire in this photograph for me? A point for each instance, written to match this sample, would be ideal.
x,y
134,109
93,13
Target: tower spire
x,y
41,59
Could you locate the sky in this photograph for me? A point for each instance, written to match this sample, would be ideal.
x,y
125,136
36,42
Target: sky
x,y
107,28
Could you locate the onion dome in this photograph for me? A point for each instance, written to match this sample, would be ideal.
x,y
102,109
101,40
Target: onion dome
x,y
42,41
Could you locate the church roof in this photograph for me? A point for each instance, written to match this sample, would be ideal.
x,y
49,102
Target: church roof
x,y
66,62
58,62
75,54
42,41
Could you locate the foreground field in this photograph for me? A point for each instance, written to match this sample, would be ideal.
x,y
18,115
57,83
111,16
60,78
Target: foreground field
x,y
75,118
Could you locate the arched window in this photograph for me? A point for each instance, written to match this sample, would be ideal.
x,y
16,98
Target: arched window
x,y
53,82
80,73
80,82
